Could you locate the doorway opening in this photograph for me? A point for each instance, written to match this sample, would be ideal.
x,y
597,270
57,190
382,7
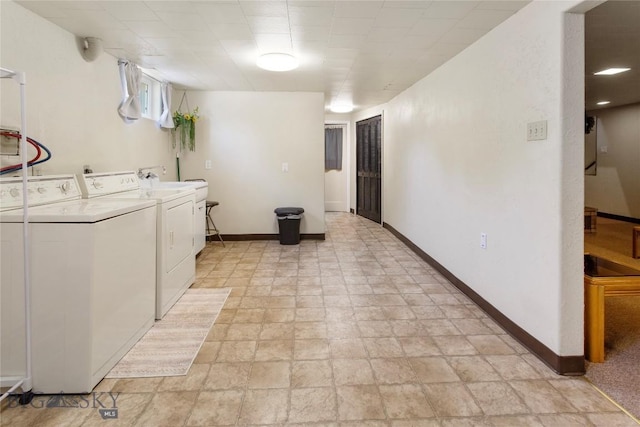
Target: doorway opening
x,y
336,167
612,189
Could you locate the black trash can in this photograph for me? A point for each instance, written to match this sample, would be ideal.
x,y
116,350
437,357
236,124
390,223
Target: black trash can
x,y
289,225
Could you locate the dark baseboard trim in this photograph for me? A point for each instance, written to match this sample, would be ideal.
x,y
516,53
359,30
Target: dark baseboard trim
x,y
563,365
619,217
247,237
311,236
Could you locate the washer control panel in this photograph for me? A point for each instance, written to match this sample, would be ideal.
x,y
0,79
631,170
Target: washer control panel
x,y
40,190
101,184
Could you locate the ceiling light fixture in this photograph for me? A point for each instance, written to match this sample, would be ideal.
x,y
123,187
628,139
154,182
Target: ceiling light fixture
x,y
611,71
341,107
277,62
603,102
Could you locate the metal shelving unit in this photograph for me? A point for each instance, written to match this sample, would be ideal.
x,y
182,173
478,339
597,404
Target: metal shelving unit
x,y
23,383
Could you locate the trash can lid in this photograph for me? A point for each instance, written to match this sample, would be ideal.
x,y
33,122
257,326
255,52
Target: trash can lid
x,y
288,211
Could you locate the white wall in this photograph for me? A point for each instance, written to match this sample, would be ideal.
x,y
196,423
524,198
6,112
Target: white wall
x,y
457,164
247,136
71,104
616,187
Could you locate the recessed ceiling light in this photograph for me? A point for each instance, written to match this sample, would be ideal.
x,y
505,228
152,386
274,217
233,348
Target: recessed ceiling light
x,y
603,102
611,71
277,62
341,107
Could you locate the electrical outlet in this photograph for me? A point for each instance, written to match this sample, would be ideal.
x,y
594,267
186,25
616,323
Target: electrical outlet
x,y
483,240
537,131
285,167
207,164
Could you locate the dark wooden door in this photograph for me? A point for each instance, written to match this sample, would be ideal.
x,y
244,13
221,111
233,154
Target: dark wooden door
x,y
369,168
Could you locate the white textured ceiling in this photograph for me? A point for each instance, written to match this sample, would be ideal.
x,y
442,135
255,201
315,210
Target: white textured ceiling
x,y
364,52
612,39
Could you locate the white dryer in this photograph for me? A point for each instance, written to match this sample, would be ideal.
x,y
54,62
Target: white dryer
x,y
92,282
202,190
175,249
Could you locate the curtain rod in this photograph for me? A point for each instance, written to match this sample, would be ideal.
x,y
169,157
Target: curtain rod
x,y
153,78
126,61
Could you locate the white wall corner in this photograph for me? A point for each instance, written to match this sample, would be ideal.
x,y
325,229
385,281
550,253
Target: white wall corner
x,y
571,304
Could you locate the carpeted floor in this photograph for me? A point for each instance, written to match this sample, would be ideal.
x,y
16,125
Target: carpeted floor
x,y
619,375
171,345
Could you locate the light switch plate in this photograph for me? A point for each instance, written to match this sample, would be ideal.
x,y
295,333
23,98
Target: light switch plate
x,y
537,131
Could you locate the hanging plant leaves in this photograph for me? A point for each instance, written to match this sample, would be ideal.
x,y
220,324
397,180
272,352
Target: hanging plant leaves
x,y
185,126
185,129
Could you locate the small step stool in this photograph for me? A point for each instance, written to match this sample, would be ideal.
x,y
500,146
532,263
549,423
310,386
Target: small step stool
x,y
212,230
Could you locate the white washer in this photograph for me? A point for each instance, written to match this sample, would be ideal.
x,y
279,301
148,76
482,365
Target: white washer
x,y
92,281
175,254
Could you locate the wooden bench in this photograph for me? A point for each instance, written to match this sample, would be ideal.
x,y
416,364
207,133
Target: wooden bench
x,y
606,279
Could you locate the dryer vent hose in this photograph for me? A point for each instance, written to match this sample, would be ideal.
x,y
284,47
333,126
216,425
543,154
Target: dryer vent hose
x,y
34,161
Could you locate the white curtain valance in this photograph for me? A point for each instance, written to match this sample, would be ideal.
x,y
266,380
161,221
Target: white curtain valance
x,y
166,119
130,75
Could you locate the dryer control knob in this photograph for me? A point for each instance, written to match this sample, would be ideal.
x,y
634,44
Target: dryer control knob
x,y
41,190
14,192
97,184
64,187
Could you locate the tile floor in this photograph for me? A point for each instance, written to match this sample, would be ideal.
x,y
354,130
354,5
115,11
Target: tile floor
x,y
352,331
